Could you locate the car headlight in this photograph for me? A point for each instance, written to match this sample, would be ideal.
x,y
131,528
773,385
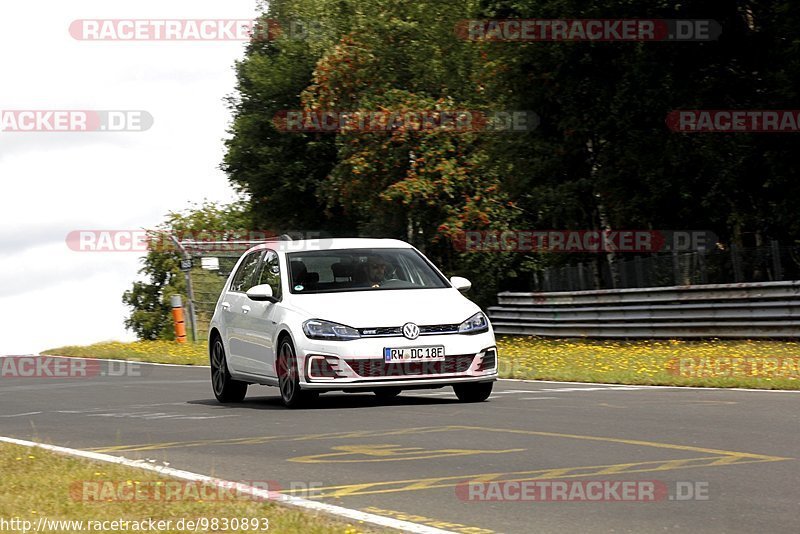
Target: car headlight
x,y
474,325
318,329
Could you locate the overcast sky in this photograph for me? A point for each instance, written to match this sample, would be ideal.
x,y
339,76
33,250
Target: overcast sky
x,y
54,183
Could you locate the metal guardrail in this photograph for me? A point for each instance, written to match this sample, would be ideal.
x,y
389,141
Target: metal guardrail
x,y
755,310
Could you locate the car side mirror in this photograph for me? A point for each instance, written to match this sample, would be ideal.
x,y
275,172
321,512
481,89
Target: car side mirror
x,y
262,293
462,284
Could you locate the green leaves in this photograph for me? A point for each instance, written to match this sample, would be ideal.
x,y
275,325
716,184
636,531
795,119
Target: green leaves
x,y
602,155
149,299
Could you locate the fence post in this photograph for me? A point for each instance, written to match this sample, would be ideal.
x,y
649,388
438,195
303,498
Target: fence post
x,y
777,268
570,277
736,260
637,266
597,274
701,265
676,268
620,281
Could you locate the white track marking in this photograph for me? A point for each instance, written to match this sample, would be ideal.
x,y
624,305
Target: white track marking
x,y
289,500
572,390
158,415
120,360
697,388
523,380
21,414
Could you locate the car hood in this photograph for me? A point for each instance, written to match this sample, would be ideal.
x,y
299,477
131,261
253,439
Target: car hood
x,y
365,309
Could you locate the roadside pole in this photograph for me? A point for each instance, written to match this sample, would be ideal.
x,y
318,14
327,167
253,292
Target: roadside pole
x,y
177,318
186,266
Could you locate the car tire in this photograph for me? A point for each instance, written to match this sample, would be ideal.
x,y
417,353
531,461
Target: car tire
x,y
226,389
387,393
289,377
473,392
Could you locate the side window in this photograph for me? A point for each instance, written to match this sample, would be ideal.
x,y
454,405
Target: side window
x,y
271,273
243,277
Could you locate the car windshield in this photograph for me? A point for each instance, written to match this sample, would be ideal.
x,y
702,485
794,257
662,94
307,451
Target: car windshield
x,y
331,271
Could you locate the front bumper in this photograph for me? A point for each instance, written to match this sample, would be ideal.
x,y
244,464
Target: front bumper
x,y
360,364
420,383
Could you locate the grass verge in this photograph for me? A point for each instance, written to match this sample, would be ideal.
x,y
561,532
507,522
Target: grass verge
x,y
709,363
140,351
39,483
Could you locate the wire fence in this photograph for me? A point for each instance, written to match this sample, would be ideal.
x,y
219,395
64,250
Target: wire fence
x,y
211,263
769,263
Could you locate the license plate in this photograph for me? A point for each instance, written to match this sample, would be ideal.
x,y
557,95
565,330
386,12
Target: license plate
x,y
415,354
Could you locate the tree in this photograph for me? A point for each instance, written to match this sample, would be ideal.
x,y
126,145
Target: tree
x,y
281,172
149,299
602,157
603,146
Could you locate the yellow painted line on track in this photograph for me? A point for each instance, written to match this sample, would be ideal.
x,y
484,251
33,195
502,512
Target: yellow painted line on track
x,y
423,520
374,488
718,457
388,453
712,457
405,431
256,440
623,441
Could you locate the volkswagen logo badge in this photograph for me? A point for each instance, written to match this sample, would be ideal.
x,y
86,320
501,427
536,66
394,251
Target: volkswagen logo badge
x,y
410,331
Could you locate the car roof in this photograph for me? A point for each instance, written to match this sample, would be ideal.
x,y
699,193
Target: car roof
x,y
323,243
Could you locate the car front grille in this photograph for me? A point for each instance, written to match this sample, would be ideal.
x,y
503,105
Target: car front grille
x,y
381,332
396,331
438,329
375,368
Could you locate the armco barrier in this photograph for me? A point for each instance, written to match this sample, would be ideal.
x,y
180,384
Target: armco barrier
x,y
755,310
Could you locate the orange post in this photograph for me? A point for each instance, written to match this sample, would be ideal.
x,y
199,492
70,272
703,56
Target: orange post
x,y
177,317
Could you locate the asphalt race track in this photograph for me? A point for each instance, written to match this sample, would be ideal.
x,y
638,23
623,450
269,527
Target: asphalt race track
x,y
728,459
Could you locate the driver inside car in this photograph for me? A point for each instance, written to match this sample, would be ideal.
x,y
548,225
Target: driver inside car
x,y
376,270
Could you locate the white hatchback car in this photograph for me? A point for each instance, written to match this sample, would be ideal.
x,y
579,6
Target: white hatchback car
x,y
347,315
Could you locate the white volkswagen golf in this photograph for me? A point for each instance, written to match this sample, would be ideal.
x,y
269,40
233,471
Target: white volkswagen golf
x,y
347,314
